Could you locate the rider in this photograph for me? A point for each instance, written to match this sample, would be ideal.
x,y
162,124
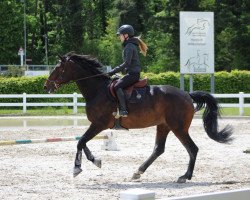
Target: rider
x,y
131,64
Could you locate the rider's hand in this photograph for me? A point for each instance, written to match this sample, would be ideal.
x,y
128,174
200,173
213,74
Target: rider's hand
x,y
111,73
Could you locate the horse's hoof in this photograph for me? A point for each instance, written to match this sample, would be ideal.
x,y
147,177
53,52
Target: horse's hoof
x,y
77,170
136,176
98,162
181,180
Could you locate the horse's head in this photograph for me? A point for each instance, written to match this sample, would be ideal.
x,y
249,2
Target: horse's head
x,y
61,74
73,67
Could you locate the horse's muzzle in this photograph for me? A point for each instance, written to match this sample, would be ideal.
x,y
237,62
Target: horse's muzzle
x,y
50,87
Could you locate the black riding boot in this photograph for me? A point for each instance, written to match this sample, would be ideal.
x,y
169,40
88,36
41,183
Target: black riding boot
x,y
122,104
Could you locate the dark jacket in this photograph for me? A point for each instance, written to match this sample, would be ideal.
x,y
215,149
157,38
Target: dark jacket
x,y
131,60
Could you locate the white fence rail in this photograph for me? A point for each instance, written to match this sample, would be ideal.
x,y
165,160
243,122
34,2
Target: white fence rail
x,y
74,103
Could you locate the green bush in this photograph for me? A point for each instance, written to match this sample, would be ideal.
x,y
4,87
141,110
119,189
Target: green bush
x,y
225,82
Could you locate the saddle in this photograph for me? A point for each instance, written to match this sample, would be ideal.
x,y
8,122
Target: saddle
x,y
129,90
134,94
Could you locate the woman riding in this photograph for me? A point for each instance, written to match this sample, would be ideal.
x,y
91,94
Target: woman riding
x,y
131,64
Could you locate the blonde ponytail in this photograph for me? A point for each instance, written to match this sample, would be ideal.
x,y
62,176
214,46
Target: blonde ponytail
x,y
142,45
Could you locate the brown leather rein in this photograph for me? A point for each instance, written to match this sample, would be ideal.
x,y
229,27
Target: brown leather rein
x,y
97,75
90,77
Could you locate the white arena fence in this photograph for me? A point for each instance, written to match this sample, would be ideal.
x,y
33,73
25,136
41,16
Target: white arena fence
x,y
75,103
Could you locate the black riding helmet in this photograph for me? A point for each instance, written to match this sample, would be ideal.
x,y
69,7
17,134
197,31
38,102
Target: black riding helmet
x,y
126,29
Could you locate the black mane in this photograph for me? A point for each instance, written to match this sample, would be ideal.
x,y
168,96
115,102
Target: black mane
x,y
86,61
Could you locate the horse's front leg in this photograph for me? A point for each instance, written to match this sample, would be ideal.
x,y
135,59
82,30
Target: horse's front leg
x,y
89,134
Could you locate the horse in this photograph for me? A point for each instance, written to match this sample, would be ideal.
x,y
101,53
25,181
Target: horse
x,y
166,107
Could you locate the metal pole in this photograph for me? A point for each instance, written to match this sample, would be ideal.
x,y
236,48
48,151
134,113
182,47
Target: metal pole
x,y
212,84
21,58
191,83
46,48
24,29
182,81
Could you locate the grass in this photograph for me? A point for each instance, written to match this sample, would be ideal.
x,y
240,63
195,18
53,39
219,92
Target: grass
x,y
47,111
60,111
234,112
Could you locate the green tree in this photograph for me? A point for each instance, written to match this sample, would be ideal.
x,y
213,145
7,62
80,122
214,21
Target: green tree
x,y
11,26
232,34
72,24
89,27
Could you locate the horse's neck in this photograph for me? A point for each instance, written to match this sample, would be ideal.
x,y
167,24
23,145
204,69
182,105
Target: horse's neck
x,y
90,87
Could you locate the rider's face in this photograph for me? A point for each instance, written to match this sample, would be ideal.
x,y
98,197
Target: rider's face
x,y
123,37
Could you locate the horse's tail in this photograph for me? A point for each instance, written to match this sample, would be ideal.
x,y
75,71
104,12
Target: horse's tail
x,y
210,116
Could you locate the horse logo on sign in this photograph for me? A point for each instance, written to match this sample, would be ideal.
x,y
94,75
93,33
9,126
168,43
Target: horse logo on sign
x,y
198,62
201,24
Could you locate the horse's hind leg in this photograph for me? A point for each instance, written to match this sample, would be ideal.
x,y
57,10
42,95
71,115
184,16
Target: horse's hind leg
x,y
192,150
161,135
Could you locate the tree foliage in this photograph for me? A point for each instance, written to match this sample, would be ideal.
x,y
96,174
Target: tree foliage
x,y
89,27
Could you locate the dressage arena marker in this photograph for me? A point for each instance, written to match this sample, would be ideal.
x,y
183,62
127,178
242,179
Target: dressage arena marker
x,y
137,194
109,143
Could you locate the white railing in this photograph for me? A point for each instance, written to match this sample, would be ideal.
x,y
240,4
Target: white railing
x,y
241,105
74,103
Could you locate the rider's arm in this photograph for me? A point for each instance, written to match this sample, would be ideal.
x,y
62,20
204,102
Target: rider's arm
x,y
128,53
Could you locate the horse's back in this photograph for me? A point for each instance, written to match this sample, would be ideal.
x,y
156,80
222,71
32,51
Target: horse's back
x,y
173,100
164,98
170,92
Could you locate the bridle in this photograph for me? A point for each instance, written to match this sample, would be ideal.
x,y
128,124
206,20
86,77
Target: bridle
x,y
55,82
68,59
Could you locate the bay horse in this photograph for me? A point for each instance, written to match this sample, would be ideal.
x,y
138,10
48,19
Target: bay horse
x,y
166,107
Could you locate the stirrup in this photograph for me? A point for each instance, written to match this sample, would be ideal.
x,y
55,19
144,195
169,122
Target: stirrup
x,y
123,113
118,126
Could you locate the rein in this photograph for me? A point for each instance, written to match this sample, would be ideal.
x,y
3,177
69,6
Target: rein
x,y
80,78
90,77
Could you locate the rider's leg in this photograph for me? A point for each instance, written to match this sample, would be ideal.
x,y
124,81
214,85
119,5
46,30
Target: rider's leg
x,y
122,102
124,82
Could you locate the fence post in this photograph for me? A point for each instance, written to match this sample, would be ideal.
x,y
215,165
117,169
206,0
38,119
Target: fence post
x,y
24,102
75,103
241,103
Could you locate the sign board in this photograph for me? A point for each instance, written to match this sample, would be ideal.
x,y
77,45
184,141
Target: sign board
x,y
196,42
